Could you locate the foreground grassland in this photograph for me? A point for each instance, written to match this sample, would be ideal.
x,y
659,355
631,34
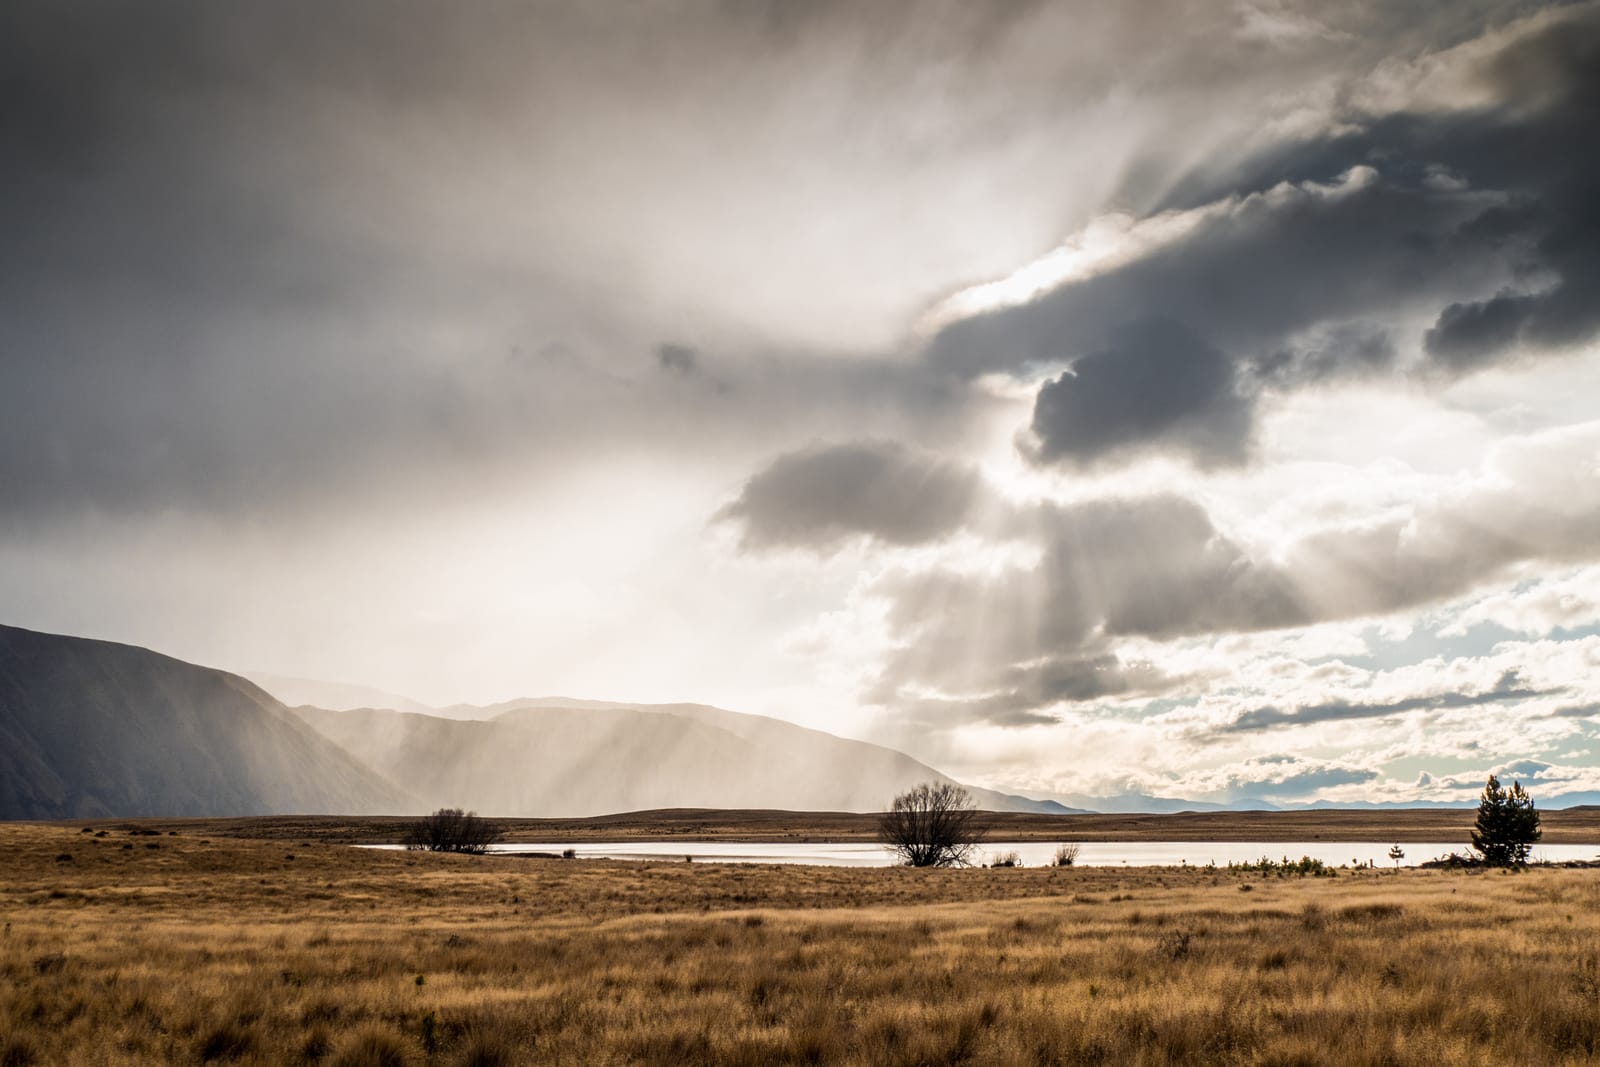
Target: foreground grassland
x,y
178,949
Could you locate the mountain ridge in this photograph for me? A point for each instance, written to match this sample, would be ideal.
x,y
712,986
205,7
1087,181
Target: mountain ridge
x,y
94,728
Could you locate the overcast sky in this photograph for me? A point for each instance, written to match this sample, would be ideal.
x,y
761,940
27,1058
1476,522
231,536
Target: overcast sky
x,y
1191,399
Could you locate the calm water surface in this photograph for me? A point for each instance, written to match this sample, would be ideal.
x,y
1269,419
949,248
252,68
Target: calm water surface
x,y
1037,853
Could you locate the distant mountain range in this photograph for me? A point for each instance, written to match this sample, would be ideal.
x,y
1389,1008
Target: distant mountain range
x,y
91,729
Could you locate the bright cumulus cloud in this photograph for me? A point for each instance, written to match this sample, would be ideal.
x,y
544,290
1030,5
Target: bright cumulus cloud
x,y
1131,404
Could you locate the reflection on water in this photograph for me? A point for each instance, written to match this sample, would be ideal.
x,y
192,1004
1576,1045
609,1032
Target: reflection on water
x,y
1037,853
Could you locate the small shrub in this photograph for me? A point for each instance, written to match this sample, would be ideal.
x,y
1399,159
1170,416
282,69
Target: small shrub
x,y
372,1047
316,1044
1304,867
1007,859
1452,861
452,830
1174,944
227,1041
1586,981
569,853
1067,854
486,1050
17,1050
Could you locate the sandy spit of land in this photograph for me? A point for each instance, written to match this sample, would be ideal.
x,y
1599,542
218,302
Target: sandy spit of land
x,y
1573,826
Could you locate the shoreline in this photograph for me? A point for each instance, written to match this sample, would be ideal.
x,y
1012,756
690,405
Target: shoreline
x,y
1570,826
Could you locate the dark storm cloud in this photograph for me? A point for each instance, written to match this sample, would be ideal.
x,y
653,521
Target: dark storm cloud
x,y
1009,645
1508,688
1248,273
187,318
1539,145
1149,567
303,255
1341,350
1010,641
824,496
1157,386
1561,313
1020,691
1299,261
1251,294
1158,566
1551,162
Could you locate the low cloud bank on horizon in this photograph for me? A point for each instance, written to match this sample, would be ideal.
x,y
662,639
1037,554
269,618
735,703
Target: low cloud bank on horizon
x,y
1186,402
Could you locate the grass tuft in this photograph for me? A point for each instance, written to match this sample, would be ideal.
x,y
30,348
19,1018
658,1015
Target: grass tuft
x,y
372,1046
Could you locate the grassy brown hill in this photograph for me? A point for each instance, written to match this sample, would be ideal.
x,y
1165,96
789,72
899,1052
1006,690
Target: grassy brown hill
x,y
92,728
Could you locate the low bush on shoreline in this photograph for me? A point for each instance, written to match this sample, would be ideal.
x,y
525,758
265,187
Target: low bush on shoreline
x,y
1304,867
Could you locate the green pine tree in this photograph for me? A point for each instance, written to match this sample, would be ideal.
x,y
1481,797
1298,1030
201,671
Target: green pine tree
x,y
1507,825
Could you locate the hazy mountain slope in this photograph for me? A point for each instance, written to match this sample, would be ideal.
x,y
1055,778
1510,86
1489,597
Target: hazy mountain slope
x,y
336,696
580,763
594,758
92,728
804,749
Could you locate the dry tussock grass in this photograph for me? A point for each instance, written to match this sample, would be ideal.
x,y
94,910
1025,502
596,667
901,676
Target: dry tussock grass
x,y
229,952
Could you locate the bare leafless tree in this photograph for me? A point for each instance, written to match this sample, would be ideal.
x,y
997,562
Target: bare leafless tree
x,y
452,830
932,825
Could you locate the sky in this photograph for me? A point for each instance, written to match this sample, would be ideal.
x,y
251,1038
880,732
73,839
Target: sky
x,y
1175,399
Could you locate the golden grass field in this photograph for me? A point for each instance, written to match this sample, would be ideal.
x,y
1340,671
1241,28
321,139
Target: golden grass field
x,y
129,949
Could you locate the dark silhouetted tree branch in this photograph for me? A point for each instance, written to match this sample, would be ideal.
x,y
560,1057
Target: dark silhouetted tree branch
x,y
932,826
